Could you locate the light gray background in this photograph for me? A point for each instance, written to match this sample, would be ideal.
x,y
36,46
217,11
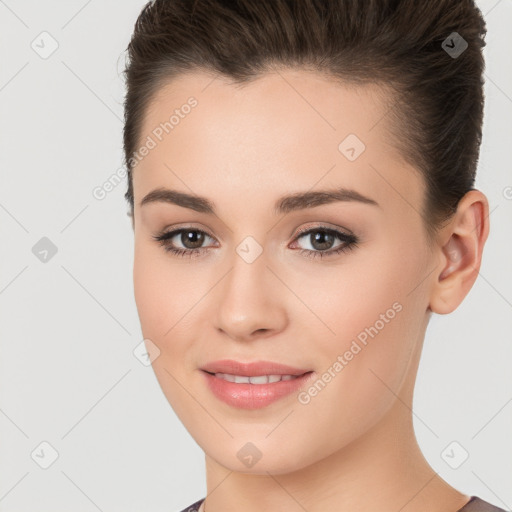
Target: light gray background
x,y
69,326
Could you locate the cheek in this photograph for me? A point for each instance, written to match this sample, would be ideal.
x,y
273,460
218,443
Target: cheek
x,y
168,296
156,290
163,297
374,324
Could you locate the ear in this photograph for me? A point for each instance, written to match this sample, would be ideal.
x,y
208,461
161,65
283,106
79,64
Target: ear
x,y
459,251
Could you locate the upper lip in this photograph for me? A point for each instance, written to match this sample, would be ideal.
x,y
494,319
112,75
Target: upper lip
x,y
251,369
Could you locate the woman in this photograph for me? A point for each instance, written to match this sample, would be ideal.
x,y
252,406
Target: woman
x,y
301,188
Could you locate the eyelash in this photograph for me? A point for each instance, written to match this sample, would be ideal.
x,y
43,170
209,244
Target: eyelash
x,y
349,239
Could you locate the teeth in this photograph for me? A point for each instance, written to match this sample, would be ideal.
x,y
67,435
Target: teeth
x,y
258,379
262,379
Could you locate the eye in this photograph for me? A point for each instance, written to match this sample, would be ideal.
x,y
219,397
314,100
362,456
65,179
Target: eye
x,y
323,239
192,239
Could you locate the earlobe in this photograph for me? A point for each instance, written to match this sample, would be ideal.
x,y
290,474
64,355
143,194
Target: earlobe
x,y
460,256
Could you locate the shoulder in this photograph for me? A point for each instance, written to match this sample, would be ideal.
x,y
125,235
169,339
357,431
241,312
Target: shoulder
x,y
195,506
476,504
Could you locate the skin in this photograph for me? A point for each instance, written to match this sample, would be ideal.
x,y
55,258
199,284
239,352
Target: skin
x,y
352,447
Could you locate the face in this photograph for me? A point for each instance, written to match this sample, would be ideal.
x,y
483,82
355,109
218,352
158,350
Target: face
x,y
338,289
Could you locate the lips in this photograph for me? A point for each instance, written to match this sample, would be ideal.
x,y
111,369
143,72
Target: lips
x,y
253,385
252,369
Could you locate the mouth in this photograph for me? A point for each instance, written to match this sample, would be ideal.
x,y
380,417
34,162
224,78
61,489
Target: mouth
x,y
255,379
245,387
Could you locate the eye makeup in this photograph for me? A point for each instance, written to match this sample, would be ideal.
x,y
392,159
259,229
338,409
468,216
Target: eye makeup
x,y
327,235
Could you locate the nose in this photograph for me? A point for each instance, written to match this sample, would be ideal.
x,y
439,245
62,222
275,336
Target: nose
x,y
250,301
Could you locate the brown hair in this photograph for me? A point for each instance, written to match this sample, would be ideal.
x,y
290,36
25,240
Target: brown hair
x,y
403,45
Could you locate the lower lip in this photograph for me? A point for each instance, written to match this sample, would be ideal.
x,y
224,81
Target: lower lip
x,y
253,396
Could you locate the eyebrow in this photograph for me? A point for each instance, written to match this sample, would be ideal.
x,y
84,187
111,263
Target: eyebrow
x,y
285,204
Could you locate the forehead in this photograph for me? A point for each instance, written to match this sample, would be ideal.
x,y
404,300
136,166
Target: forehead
x,y
286,130
294,104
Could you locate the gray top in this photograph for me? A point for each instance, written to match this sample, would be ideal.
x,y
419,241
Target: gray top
x,y
475,504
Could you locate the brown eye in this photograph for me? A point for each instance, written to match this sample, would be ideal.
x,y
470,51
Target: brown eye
x,y
321,240
191,239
